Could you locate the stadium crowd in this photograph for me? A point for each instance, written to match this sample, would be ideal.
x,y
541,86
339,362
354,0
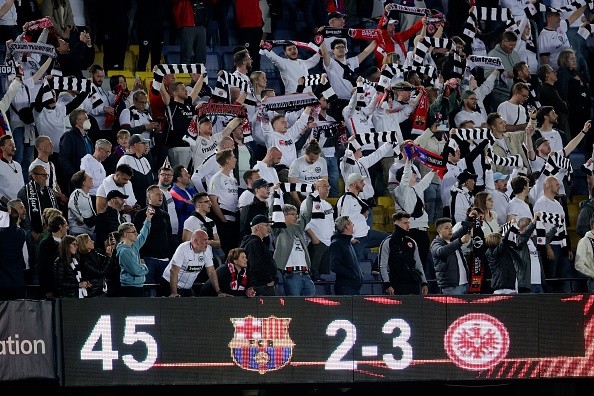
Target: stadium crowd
x,y
465,122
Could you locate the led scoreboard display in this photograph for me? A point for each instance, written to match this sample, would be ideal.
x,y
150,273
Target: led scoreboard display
x,y
155,341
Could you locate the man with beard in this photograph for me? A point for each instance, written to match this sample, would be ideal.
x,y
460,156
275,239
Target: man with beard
x,y
473,108
111,218
100,105
291,68
120,181
400,264
165,179
179,111
136,159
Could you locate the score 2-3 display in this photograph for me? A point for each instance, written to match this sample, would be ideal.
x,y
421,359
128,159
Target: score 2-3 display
x,y
160,341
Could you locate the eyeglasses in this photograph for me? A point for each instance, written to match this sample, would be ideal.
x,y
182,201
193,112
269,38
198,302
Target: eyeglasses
x,y
165,174
132,232
41,174
339,47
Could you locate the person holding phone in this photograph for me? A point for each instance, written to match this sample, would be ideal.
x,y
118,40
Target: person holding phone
x,y
133,271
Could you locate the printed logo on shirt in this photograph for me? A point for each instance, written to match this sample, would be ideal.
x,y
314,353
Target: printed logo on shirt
x,y
285,142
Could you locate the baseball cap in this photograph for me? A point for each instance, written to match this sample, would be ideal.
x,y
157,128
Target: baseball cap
x,y
499,176
137,138
540,141
335,14
259,219
466,94
204,119
259,183
353,178
115,194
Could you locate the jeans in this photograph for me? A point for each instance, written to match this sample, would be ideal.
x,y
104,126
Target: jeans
x,y
156,268
24,153
433,204
536,288
373,239
298,284
333,176
558,268
455,290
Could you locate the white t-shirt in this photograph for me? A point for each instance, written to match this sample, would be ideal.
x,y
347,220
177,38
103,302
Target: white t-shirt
x,y
335,72
349,206
518,209
305,172
193,223
552,42
297,256
225,188
190,263
246,198
267,173
512,114
50,169
95,169
108,185
321,228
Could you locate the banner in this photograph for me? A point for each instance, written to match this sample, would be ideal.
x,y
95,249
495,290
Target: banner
x,y
222,109
27,340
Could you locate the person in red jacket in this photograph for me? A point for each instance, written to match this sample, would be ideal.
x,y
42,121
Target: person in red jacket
x,y
248,17
389,40
191,18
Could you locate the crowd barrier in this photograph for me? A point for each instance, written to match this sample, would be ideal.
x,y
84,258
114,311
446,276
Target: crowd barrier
x,y
280,340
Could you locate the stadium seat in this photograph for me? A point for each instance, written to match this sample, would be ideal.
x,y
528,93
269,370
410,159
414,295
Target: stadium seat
x,y
134,48
213,64
98,58
130,61
125,73
385,201
332,201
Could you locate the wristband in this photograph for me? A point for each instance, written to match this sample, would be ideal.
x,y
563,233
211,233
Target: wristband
x,y
584,132
218,292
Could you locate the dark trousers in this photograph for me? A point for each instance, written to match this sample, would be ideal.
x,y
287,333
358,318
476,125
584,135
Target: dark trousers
x,y
250,38
131,291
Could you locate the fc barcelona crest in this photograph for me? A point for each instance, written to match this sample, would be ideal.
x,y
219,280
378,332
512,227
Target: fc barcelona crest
x,y
261,345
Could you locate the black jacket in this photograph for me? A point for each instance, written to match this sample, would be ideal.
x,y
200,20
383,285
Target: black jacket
x,y
158,242
72,149
47,254
248,213
445,259
343,260
583,220
107,222
261,265
94,268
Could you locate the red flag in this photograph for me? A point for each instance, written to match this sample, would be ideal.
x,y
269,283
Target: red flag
x,y
419,116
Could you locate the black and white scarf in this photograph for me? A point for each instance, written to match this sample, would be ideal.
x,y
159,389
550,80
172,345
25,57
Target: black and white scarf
x,y
163,69
278,217
389,70
422,49
82,292
303,188
34,203
554,163
316,209
555,219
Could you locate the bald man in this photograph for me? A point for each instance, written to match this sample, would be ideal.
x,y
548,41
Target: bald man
x,y
557,260
185,265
